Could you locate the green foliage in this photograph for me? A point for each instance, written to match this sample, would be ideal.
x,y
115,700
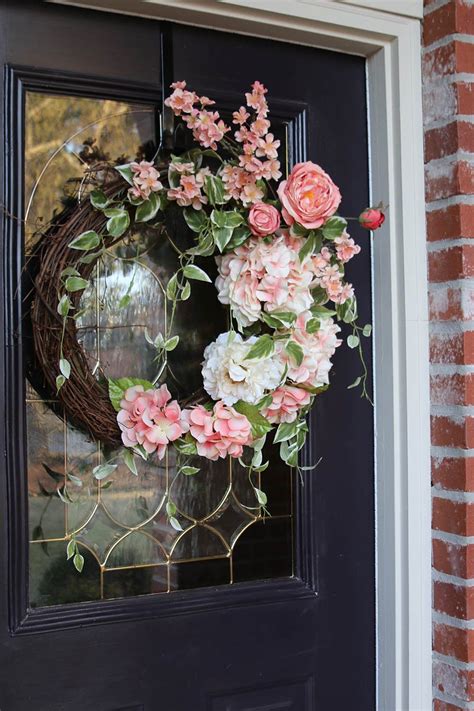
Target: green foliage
x,y
118,386
85,241
259,424
262,348
334,227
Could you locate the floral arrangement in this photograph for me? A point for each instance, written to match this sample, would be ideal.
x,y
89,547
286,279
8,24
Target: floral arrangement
x,y
281,251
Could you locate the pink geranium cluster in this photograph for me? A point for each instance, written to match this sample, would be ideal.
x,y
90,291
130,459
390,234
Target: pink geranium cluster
x,y
259,158
189,191
207,126
148,418
286,403
146,180
318,349
329,276
220,432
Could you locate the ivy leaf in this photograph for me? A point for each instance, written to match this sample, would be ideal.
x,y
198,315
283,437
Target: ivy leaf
x,y
312,244
348,310
367,330
119,223
260,426
64,305
196,220
99,200
78,561
205,245
239,236
313,325
71,549
285,431
356,382
75,480
126,172
298,230
129,460
191,271
353,341
170,508
118,386
148,209
295,351
286,318
124,301
85,241
186,292
65,367
175,524
171,343
222,236
76,283
262,348
189,471
69,271
107,485
215,190
60,380
186,446
103,470
172,287
322,312
261,496
334,227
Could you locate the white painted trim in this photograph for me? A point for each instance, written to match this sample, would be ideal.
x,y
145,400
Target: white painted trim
x,y
391,43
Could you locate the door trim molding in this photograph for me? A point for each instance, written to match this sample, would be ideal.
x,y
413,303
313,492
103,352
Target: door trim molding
x,y
391,44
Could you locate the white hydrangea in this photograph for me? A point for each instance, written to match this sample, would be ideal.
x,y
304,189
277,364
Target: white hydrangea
x,y
227,376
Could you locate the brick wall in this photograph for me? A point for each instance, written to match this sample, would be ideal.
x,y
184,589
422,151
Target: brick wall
x,y
448,77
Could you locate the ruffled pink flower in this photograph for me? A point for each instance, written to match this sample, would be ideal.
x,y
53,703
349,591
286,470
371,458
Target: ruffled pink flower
x,y
146,180
263,219
149,419
220,433
309,196
288,400
346,248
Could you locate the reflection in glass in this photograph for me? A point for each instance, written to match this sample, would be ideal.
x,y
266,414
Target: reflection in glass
x,y
121,525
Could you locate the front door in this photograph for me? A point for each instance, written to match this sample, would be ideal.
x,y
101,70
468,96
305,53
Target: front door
x,y
239,610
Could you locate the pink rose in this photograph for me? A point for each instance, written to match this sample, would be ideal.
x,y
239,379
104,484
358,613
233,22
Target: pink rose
x,y
287,401
308,196
372,218
263,219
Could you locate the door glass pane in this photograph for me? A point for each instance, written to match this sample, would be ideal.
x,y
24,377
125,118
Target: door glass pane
x,y
122,530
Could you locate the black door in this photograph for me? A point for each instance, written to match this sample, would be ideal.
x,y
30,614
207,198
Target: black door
x,y
241,612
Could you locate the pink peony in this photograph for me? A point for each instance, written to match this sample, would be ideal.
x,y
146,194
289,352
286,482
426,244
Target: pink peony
x,y
287,402
149,419
218,433
308,196
263,219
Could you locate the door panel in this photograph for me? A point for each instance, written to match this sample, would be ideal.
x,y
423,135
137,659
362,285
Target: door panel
x,y
302,600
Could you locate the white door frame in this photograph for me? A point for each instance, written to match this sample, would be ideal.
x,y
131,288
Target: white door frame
x,y
390,40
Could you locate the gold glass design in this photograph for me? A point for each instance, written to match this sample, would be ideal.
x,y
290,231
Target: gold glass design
x,y
121,528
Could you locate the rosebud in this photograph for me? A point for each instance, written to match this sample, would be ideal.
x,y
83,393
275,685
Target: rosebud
x,y
371,218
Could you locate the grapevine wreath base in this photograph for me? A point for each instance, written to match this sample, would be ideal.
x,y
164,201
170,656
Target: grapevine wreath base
x,y
280,249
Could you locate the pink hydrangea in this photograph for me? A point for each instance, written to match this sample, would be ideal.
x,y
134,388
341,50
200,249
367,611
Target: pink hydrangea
x,y
287,401
220,432
146,180
149,419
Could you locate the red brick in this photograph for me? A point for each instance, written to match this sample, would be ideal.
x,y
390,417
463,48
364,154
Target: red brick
x,y
439,23
465,93
453,558
443,706
454,57
454,642
457,179
451,263
455,389
446,304
450,222
454,600
446,140
456,683
453,473
446,432
453,516
455,348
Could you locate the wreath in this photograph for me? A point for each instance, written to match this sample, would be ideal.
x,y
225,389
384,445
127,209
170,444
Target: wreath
x,y
280,249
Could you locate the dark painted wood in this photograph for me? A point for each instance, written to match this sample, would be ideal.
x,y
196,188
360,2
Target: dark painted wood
x,y
254,645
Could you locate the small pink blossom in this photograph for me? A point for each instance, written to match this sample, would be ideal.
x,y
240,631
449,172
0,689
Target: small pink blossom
x,y
346,248
287,402
268,146
146,180
148,418
220,433
240,116
263,219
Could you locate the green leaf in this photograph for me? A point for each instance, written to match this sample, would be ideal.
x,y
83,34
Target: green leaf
x,y
148,209
322,312
99,200
367,330
262,348
85,241
107,485
348,310
186,291
356,382
88,258
313,325
205,245
334,227
260,426
298,230
71,548
312,244
186,447
191,271
286,318
76,283
285,431
69,271
189,471
214,189
261,496
353,341
175,524
60,380
170,508
126,172
103,470
129,461
118,386
118,224
239,236
124,301
64,305
171,343
295,351
289,454
196,220
172,287
227,218
222,236
65,367
78,561
75,480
